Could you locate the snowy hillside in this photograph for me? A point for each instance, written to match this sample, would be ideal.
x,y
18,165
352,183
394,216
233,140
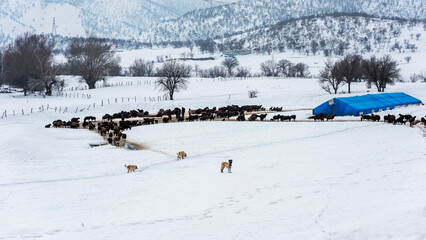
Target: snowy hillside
x,y
332,35
105,18
290,180
245,15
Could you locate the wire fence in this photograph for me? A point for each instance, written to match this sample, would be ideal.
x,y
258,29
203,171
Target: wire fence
x,y
72,92
152,81
110,84
67,109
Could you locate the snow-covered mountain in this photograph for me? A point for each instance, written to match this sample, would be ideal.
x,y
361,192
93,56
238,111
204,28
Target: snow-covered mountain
x,y
225,20
168,21
335,34
104,18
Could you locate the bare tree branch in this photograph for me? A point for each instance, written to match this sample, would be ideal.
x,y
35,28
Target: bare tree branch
x,y
172,77
93,59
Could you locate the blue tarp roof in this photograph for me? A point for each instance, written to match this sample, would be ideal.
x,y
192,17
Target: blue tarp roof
x,y
365,104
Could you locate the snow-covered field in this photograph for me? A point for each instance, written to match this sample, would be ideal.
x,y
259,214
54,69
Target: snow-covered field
x,y
253,61
298,180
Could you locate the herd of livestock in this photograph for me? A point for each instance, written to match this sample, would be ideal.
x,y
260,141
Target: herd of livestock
x,y
112,125
400,119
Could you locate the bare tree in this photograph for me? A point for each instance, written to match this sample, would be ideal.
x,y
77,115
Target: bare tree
x,y
46,79
314,47
331,77
172,77
283,66
243,72
351,68
217,71
407,59
92,58
253,93
422,76
380,72
29,63
141,67
196,67
115,70
413,78
269,68
230,64
301,70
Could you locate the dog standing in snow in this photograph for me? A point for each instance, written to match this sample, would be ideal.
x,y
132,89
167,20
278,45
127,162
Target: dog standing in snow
x,y
227,165
181,155
130,168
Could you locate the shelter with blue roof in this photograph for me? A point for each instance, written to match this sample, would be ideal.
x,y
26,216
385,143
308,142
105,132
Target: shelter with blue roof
x,y
365,104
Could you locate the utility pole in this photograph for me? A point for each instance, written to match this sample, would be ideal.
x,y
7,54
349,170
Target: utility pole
x,y
2,63
54,27
2,78
2,50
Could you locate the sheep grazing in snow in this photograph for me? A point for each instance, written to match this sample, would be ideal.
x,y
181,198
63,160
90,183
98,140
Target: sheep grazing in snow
x,y
320,116
414,123
241,118
389,118
117,140
253,117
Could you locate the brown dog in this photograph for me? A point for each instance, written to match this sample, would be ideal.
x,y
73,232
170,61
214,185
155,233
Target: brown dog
x,y
181,155
227,165
130,168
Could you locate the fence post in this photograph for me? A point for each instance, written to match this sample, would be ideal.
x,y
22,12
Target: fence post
x,y
115,100
122,99
23,112
108,101
94,105
88,107
135,98
13,112
56,108
47,107
76,110
102,103
31,110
